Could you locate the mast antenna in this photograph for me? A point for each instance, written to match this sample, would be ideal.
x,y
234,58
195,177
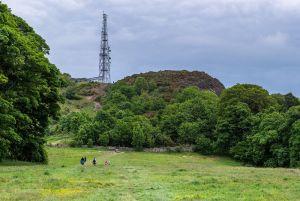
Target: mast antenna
x,y
104,56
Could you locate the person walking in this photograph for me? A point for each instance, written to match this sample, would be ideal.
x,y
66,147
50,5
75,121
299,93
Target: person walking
x,y
94,161
82,161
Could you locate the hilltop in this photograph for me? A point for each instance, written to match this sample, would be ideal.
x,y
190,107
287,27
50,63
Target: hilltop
x,y
171,81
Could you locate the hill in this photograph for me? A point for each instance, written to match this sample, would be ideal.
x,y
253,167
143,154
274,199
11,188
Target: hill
x,y
80,93
171,81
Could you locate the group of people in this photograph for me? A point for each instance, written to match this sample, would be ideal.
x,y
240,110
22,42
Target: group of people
x,y
83,161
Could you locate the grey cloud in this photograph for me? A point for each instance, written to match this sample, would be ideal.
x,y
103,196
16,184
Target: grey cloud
x,y
254,41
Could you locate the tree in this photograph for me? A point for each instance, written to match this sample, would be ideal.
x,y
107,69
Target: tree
x,y
194,113
188,132
285,102
264,147
141,85
204,145
138,137
104,139
188,94
71,123
29,83
294,145
291,100
7,132
254,96
233,125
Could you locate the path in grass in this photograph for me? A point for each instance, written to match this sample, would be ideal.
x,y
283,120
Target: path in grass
x,y
144,176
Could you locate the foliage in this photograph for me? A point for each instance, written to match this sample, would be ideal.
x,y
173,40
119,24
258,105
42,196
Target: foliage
x,y
284,102
28,89
245,122
73,121
275,142
191,116
233,125
254,96
204,145
294,145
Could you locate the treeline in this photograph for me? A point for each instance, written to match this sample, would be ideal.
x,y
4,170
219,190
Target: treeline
x,y
245,122
29,90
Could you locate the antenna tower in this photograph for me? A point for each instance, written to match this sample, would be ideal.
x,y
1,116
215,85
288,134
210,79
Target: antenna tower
x,y
104,63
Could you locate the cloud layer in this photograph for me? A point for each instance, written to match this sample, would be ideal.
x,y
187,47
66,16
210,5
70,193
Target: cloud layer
x,y
237,41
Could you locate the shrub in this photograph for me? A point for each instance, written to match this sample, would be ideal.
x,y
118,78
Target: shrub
x,y
234,125
294,144
90,143
204,145
138,138
104,139
256,98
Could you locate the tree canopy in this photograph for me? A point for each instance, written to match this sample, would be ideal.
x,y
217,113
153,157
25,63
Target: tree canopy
x,y
29,86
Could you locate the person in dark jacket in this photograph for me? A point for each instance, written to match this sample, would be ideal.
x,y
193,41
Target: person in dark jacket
x,y
82,161
94,161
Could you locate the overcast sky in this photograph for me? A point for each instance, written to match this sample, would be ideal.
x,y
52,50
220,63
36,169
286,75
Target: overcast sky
x,y
236,41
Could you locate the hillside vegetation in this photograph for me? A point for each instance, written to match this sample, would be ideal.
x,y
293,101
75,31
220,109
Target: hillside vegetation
x,y
244,122
168,82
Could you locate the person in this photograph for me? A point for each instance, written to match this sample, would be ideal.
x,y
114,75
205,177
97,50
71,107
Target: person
x,y
82,161
85,159
94,161
107,163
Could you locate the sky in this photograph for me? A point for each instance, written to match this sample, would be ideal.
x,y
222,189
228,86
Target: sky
x,y
236,41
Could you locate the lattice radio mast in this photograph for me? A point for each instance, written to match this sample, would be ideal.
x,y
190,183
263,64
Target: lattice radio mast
x,y
104,63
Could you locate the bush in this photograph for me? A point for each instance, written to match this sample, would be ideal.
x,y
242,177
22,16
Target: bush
x,y
234,125
204,145
188,132
71,94
72,122
256,98
294,145
138,138
90,143
104,139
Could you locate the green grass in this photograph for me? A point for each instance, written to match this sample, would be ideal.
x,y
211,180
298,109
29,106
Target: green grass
x,y
144,176
61,139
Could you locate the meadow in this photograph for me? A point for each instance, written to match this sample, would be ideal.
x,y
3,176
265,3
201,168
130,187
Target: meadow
x,y
143,176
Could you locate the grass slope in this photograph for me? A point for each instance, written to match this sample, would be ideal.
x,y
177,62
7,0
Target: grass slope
x,y
144,176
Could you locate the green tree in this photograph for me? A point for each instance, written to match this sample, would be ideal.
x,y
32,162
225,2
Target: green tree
x,y
104,139
294,145
264,147
138,138
141,85
199,109
234,124
7,132
291,100
29,83
254,96
204,145
188,132
71,123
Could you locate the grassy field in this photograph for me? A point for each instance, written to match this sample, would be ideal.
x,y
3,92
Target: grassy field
x,y
144,176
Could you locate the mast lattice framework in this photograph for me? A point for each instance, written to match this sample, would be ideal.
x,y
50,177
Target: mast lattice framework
x,y
105,59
